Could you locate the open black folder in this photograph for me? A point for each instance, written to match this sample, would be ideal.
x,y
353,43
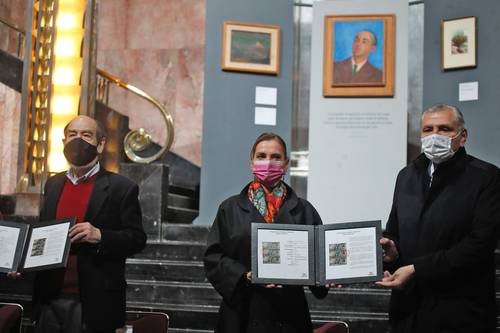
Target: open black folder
x,y
29,247
316,255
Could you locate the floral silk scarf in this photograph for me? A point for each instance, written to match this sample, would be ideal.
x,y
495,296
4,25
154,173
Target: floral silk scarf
x,y
267,204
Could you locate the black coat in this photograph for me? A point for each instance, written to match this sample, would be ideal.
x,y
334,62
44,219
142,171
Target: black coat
x,y
448,231
114,209
251,308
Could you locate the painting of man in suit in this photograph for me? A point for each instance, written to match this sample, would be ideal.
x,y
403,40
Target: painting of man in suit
x,y
358,53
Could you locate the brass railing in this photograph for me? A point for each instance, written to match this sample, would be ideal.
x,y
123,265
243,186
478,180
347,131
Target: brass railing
x,y
136,140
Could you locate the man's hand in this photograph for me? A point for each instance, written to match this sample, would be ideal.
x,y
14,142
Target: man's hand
x,y
390,250
84,232
397,280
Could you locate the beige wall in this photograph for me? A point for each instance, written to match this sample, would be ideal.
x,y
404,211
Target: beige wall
x,y
10,101
158,46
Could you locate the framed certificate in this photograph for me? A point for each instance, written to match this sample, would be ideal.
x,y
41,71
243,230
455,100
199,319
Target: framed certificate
x,y
350,252
12,238
316,255
34,247
283,254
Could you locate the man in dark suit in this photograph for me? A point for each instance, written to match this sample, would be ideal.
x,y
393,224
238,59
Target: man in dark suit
x,y
357,69
442,233
89,295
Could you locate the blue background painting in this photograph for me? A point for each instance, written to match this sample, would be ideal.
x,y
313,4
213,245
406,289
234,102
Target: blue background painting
x,y
344,33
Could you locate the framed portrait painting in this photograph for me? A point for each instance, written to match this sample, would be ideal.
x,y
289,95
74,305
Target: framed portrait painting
x,y
359,56
458,43
251,47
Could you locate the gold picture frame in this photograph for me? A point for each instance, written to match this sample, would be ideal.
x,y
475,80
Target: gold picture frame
x,y
251,47
459,43
358,58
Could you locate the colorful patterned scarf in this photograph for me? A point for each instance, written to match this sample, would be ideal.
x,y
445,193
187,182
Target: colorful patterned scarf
x,y
267,204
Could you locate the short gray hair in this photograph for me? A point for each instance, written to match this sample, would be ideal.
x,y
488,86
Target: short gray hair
x,y
459,117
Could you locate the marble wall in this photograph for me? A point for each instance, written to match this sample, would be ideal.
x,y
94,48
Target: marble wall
x,y
158,46
12,11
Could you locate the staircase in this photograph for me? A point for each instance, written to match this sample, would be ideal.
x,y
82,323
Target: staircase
x,y
168,275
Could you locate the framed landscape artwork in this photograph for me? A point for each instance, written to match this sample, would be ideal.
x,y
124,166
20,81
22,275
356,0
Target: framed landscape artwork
x,y
458,43
359,56
251,47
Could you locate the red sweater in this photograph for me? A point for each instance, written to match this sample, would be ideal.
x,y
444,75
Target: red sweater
x,y
73,202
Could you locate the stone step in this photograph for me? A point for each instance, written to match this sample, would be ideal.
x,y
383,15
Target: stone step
x,y
181,215
182,190
351,299
185,232
173,250
165,270
188,330
196,318
173,292
183,201
344,299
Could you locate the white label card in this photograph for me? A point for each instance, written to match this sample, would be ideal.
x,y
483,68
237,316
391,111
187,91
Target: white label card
x,y
266,95
468,91
265,116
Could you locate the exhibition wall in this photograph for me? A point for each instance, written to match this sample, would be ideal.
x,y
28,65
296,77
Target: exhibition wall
x,y
482,116
357,145
229,128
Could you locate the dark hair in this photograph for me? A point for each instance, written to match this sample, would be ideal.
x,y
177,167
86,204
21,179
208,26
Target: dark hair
x,y
100,132
268,136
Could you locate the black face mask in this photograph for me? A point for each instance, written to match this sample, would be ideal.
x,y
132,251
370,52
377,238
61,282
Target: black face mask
x,y
79,152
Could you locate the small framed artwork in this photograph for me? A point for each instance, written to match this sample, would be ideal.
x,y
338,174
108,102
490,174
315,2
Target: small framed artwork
x,y
359,56
251,47
458,43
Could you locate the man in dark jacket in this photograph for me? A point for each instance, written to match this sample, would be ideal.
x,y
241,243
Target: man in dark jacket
x,y
90,292
441,234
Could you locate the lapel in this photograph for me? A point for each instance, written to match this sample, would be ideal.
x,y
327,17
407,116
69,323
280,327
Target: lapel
x,y
52,196
285,215
99,195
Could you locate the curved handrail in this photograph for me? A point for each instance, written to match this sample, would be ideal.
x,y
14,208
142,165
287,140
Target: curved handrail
x,y
138,139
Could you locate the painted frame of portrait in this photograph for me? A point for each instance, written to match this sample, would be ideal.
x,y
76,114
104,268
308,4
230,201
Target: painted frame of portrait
x,y
251,47
374,80
459,43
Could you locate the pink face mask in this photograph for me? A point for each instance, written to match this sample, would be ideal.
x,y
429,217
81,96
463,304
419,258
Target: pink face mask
x,y
268,172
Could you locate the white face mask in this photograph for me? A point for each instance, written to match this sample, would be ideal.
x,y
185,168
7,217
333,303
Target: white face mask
x,y
437,147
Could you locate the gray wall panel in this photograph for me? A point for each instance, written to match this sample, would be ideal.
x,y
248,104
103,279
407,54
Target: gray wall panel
x,y
229,100
482,117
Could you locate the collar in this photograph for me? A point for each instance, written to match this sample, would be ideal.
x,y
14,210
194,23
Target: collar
x,y
455,163
358,68
75,180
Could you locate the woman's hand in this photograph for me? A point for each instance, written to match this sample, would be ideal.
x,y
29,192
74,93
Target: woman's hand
x,y
14,275
248,276
333,285
272,285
